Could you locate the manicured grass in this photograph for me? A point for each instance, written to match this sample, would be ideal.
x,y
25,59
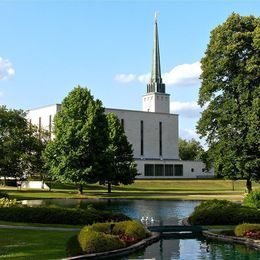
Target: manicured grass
x,y
144,189
33,244
38,225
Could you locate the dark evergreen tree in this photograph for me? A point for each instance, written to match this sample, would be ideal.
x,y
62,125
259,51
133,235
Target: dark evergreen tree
x,y
121,167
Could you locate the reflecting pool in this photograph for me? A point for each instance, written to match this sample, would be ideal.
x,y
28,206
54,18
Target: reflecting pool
x,y
165,212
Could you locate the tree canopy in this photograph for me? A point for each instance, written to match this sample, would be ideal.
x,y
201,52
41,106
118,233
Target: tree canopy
x,y
121,167
190,149
20,145
230,90
78,152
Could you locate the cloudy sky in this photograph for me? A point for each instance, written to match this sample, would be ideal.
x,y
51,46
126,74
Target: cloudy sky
x,y
48,47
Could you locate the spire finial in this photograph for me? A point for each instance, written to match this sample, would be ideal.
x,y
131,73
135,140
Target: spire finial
x,y
156,14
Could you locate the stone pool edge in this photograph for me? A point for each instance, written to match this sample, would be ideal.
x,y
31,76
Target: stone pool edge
x,y
120,252
232,239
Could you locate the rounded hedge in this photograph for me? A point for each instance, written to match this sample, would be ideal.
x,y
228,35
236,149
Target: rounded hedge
x,y
253,199
131,228
222,212
93,242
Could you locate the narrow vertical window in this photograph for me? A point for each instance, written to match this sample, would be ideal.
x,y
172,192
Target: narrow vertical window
x,y
50,125
160,138
142,137
123,123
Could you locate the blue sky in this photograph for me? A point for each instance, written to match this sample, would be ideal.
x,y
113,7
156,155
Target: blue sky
x,y
48,47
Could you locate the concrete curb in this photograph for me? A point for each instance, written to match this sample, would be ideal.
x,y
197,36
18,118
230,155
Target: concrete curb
x,y
231,239
120,252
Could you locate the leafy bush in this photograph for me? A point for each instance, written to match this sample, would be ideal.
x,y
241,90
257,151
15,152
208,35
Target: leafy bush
x,y
6,203
73,247
3,194
130,228
101,237
222,212
47,215
92,241
242,229
253,199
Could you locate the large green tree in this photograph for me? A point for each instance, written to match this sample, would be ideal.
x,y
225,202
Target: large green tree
x,y
121,167
231,90
78,152
20,145
190,149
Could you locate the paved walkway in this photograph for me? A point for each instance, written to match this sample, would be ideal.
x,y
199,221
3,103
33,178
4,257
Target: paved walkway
x,y
39,228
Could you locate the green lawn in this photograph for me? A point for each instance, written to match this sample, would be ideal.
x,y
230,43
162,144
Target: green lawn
x,y
145,189
33,244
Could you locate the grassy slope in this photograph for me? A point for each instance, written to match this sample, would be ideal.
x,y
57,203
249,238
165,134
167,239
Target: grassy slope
x,y
33,244
145,189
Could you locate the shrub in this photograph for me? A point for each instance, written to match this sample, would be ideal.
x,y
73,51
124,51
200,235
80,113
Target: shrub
x,y
3,194
221,212
47,215
244,229
73,247
103,227
253,199
92,241
132,229
6,203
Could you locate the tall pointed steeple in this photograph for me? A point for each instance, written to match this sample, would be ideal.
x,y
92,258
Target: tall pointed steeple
x,y
156,84
156,100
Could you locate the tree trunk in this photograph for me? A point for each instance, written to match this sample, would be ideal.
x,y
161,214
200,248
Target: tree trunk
x,y
80,189
109,187
4,180
248,185
233,185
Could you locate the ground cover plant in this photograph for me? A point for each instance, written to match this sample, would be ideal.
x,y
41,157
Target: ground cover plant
x,y
57,215
248,230
101,237
223,212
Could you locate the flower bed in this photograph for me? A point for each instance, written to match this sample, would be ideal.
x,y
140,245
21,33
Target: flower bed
x,y
102,237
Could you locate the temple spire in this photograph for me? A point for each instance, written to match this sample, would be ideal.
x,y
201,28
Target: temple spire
x,y
155,84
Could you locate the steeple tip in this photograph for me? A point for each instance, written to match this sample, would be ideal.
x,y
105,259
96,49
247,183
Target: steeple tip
x,y
156,84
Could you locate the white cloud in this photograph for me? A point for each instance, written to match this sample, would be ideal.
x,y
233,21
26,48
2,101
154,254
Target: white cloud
x,y
144,78
6,69
189,134
180,75
125,78
183,75
186,109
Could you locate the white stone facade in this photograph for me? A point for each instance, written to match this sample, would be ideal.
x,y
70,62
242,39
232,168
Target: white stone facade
x,y
156,102
156,151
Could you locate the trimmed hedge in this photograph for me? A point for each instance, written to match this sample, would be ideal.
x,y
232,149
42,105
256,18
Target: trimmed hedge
x,y
68,216
223,212
240,230
253,199
101,237
93,242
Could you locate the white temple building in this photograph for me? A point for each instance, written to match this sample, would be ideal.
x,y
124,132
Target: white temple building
x,y
153,132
